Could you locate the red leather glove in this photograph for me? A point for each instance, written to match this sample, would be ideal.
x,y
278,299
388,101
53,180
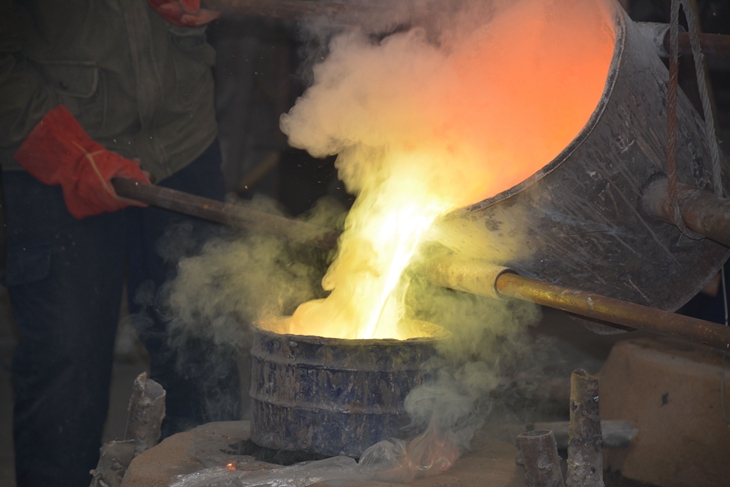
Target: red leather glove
x,y
59,151
184,12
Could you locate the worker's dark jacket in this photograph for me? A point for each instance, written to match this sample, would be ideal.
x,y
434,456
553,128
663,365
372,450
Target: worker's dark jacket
x,y
138,85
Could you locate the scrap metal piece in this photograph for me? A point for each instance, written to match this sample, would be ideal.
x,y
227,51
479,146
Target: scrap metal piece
x,y
539,455
716,45
114,459
146,412
585,460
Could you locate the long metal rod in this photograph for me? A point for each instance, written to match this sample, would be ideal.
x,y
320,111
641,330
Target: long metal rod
x,y
487,279
716,45
233,215
701,211
614,311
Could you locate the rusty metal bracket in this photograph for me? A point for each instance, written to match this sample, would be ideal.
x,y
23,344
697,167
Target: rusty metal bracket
x,y
715,45
701,211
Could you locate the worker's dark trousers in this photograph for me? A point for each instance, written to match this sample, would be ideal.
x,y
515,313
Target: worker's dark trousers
x,y
65,278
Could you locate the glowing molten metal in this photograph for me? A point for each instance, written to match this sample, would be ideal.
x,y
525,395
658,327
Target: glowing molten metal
x,y
423,129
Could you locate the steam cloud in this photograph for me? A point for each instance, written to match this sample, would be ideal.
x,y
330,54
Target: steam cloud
x,y
456,99
244,279
482,87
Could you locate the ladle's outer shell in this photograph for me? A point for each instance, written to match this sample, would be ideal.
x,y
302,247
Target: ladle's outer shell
x,y
579,219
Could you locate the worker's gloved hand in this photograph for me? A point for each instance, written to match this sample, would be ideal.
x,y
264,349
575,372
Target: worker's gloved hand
x,y
59,151
184,12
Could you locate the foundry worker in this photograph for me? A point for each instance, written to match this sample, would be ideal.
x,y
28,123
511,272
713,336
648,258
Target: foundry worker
x,y
91,90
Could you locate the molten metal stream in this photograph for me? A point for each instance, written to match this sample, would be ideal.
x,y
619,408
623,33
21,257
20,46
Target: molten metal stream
x,y
422,128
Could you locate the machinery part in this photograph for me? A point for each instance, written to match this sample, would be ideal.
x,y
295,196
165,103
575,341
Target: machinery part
x,y
539,455
608,310
578,221
234,215
701,211
469,275
615,311
585,460
310,393
716,45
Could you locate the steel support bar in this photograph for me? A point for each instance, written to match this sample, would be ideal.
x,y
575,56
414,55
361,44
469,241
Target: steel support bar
x,y
716,45
486,279
234,215
614,311
701,211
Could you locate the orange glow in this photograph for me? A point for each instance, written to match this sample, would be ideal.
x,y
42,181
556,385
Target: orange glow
x,y
552,68
423,130
231,466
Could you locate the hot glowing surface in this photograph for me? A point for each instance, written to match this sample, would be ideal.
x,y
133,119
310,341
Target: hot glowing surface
x,y
423,130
